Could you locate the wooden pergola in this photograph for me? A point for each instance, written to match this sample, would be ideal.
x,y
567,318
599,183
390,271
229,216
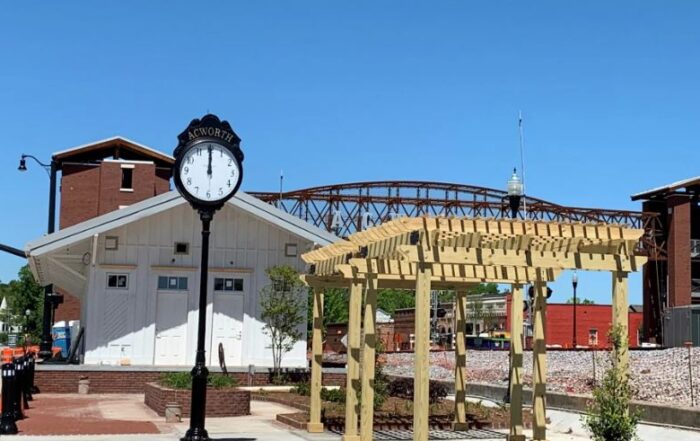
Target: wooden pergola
x,y
439,253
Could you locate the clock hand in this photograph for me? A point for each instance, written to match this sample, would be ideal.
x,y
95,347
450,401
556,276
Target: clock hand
x,y
209,166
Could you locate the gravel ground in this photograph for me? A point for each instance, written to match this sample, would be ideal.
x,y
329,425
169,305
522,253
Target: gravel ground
x,y
659,376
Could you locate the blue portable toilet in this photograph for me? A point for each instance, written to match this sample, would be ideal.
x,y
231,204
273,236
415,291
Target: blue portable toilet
x,y
61,337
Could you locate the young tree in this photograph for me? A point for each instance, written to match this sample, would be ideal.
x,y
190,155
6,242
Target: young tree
x,y
283,305
609,416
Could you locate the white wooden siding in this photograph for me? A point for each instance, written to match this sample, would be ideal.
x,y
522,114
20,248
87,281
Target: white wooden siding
x,y
238,240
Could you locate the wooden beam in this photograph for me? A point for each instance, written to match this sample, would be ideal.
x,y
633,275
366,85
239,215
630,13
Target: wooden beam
x,y
464,272
315,425
539,367
516,364
368,361
530,259
353,364
421,405
460,420
621,316
408,282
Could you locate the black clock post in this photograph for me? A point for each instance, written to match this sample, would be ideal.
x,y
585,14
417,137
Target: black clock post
x,y
203,143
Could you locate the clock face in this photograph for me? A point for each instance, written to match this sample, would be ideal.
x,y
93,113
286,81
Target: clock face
x,y
209,172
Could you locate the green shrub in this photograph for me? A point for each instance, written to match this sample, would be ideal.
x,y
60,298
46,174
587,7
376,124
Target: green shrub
x,y
403,388
221,381
303,388
183,380
176,380
609,416
333,395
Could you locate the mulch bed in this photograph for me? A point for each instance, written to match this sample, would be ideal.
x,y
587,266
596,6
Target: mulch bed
x,y
395,413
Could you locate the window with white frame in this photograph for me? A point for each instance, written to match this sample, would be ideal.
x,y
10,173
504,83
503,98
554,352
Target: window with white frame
x,y
224,284
118,281
172,283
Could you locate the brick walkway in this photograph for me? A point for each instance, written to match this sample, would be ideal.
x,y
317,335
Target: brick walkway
x,y
60,414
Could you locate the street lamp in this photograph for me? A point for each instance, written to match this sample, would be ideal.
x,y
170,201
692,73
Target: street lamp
x,y
515,193
49,298
574,283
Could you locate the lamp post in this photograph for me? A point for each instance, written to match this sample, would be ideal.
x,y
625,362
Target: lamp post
x,y
574,283
515,194
51,169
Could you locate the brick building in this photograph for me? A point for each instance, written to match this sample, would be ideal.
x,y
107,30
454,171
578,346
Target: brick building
x,y
127,257
492,316
593,323
672,282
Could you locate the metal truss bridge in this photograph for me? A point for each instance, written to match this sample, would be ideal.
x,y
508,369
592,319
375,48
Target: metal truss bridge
x,y
347,208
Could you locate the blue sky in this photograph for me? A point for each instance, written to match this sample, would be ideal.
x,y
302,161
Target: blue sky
x,y
337,92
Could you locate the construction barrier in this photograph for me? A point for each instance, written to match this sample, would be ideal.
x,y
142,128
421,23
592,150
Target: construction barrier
x,y
17,387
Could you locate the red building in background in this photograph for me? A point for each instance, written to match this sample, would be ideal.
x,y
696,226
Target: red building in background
x,y
593,322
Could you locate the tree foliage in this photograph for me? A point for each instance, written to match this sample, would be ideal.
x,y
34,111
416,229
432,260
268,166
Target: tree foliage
x,y
283,304
24,294
389,300
580,301
609,416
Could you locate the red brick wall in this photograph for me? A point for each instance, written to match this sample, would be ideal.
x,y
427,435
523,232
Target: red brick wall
x,y
89,191
79,194
69,309
560,324
220,402
131,381
111,195
679,252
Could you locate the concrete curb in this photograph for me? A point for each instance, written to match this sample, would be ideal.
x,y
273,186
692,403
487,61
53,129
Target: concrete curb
x,y
653,413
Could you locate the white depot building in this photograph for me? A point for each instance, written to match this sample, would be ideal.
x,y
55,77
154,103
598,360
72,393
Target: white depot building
x,y
135,271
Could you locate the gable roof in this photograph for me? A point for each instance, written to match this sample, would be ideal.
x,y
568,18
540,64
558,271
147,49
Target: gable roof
x,y
93,148
667,189
165,201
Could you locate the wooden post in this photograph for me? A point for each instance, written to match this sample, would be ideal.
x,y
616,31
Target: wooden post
x,y
368,360
539,368
460,421
421,377
621,315
353,364
516,364
314,425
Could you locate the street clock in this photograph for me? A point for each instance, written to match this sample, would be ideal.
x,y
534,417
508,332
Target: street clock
x,y
208,171
208,163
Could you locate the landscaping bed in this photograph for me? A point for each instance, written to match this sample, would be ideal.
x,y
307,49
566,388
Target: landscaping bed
x,y
224,399
394,413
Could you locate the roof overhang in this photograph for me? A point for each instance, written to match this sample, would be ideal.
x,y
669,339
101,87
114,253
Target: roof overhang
x,y
119,141
667,189
62,258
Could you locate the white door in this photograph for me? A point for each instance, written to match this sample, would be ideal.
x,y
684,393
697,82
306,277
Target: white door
x,y
171,328
227,323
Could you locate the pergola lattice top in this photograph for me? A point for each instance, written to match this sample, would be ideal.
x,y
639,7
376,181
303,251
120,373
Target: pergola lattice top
x,y
467,251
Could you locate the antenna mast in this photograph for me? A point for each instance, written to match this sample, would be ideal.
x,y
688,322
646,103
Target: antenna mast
x,y
522,162
279,203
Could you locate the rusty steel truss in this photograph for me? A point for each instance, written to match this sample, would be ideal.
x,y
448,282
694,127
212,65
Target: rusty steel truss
x,y
347,208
